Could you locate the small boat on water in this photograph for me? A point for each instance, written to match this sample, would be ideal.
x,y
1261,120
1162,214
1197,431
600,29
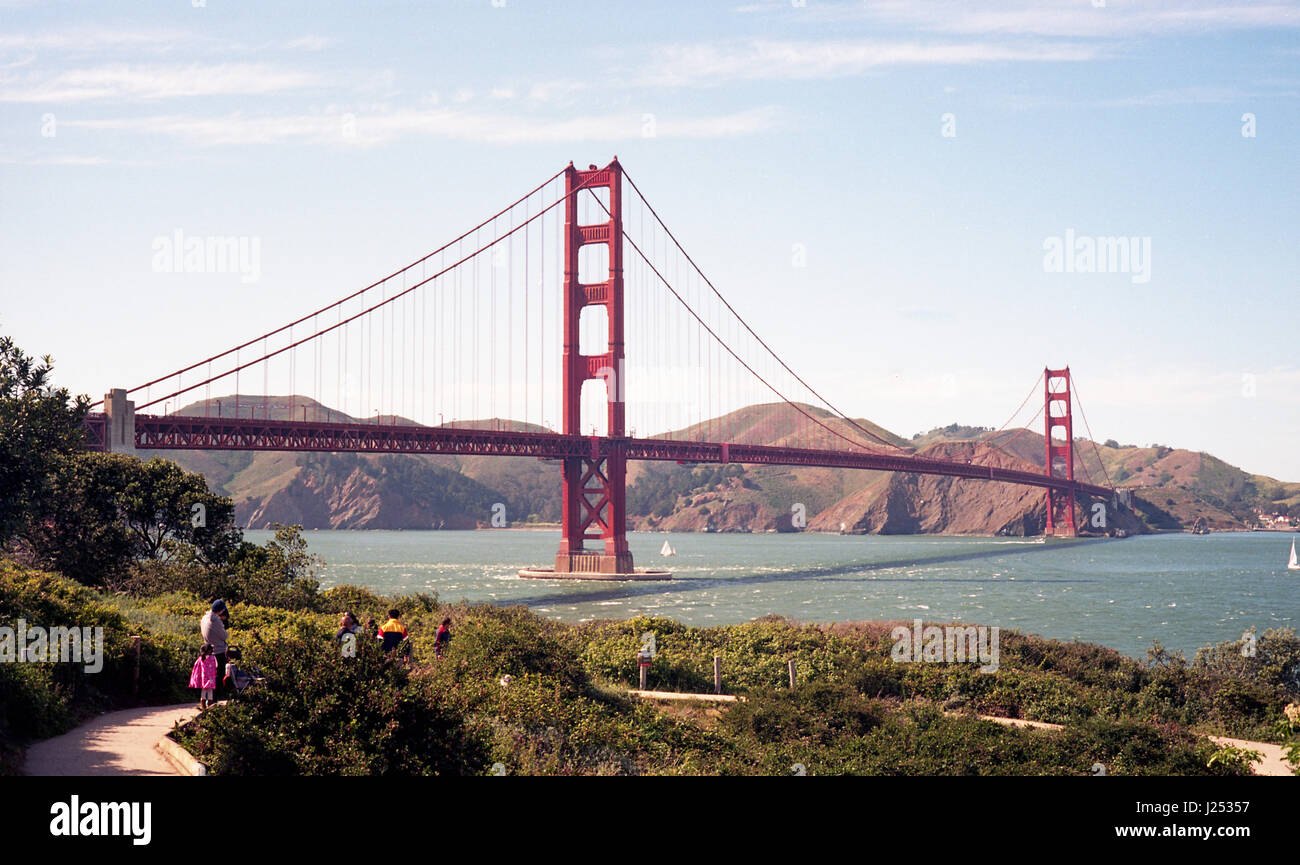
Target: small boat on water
x,y
667,550
1293,564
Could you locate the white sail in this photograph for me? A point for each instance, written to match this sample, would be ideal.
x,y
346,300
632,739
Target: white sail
x,y
1294,564
667,550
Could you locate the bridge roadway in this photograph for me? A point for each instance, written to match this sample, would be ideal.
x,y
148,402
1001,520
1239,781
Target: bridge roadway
x,y
185,432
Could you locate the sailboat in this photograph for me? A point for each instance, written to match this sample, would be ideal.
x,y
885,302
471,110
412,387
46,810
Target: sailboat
x,y
1293,564
667,550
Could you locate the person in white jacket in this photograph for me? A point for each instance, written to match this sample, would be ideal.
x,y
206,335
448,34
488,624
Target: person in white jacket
x,y
213,627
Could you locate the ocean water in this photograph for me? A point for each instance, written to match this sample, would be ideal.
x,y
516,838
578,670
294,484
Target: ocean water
x,y
1184,590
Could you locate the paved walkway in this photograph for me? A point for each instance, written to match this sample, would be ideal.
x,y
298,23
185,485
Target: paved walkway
x,y
116,743
1273,760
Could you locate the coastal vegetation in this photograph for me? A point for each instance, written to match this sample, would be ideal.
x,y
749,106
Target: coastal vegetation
x,y
521,694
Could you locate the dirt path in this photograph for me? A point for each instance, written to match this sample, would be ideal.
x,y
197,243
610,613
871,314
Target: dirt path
x,y
1273,762
116,743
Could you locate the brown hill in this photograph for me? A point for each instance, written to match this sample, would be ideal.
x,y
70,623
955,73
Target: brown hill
x,y
931,504
1174,487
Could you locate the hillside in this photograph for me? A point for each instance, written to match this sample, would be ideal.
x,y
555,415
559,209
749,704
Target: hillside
x,y
363,491
1173,487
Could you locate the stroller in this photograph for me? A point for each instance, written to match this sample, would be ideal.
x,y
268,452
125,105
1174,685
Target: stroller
x,y
237,678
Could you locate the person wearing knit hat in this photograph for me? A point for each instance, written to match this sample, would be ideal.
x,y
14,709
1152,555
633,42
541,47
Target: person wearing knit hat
x,y
213,628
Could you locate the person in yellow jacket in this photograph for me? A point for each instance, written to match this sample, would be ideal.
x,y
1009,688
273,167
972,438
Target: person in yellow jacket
x,y
392,632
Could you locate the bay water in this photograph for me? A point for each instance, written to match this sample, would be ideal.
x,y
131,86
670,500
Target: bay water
x,y
1183,590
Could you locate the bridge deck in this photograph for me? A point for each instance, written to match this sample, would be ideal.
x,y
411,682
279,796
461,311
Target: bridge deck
x,y
185,432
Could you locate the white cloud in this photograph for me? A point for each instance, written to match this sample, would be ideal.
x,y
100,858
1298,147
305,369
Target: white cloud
x,y
309,43
85,39
55,160
122,81
1064,18
1180,96
555,91
705,63
447,123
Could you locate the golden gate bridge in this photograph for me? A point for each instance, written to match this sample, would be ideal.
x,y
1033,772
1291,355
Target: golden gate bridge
x,y
569,303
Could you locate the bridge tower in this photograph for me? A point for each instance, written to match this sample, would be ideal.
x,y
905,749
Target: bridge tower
x,y
1057,412
119,426
594,487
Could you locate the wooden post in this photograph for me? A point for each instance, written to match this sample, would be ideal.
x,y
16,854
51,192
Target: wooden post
x,y
643,664
717,675
792,682
135,675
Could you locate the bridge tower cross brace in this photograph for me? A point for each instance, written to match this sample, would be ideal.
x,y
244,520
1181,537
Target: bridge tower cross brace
x,y
1061,519
594,505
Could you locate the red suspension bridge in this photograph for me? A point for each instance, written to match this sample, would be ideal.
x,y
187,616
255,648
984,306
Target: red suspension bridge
x,y
563,305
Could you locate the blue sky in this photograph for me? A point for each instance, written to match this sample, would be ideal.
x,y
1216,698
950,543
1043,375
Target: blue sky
x,y
924,298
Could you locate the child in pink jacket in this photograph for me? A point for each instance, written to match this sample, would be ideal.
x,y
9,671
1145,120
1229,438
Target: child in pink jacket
x,y
204,675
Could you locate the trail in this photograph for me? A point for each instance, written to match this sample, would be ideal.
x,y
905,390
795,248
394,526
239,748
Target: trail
x,y
115,743
1272,758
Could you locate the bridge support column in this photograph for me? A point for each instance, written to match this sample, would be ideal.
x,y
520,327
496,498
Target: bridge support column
x,y
119,432
1061,517
594,486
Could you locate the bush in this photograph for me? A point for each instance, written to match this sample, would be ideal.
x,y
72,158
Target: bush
x,y
279,574
362,603
816,713
515,642
321,713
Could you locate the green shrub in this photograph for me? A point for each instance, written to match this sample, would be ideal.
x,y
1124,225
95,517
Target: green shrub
x,y
817,713
516,642
321,713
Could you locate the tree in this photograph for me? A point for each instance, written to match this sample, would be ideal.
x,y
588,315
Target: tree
x,y
105,513
77,527
167,509
280,574
39,425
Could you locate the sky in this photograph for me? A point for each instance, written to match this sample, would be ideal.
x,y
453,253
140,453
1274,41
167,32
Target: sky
x,y
899,197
